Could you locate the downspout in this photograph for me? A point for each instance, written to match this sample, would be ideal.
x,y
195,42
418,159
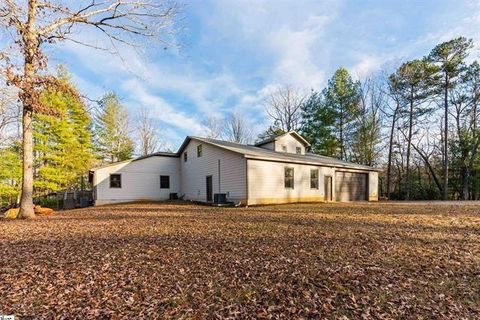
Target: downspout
x,y
219,183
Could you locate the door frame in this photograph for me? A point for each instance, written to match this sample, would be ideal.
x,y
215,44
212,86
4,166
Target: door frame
x,y
327,178
211,188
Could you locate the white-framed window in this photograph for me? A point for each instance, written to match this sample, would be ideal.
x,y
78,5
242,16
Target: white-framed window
x,y
299,150
164,182
115,180
284,148
289,178
314,179
199,150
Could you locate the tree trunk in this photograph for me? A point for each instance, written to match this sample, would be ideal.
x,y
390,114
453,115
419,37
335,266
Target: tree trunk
x,y
30,51
390,151
445,144
409,144
26,200
341,135
465,173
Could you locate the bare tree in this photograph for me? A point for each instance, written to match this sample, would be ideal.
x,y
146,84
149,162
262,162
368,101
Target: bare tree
x,y
392,111
8,114
34,24
284,107
149,141
214,127
237,129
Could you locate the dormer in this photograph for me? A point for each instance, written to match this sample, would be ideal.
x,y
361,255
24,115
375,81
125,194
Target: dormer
x,y
290,142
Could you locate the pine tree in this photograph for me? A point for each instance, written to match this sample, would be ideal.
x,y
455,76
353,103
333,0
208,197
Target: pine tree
x,y
318,125
342,95
450,59
112,130
63,145
415,85
10,175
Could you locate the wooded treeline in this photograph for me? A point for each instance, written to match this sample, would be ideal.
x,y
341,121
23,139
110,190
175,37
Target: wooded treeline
x,y
420,123
88,133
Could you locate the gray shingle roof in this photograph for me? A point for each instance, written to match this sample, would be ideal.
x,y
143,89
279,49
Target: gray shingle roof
x,y
274,138
255,152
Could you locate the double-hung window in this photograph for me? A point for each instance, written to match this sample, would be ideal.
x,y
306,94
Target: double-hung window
x,y
164,182
289,178
115,180
314,179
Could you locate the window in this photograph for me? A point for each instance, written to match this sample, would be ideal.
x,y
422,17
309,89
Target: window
x,y
314,179
284,148
115,181
199,150
299,150
289,175
185,157
164,182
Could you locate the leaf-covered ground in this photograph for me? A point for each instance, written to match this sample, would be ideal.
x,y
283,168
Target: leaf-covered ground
x,y
189,261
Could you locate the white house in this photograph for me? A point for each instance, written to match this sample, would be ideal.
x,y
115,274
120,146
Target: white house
x,y
278,170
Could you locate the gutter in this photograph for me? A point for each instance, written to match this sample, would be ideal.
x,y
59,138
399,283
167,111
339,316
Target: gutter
x,y
338,166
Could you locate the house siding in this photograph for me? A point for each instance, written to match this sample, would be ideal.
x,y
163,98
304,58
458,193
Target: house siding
x,y
373,186
140,180
290,142
231,180
266,183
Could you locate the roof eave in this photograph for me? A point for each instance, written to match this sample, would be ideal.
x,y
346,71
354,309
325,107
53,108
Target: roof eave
x,y
298,161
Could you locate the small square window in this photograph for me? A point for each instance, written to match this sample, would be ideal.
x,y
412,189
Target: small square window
x,y
289,178
284,148
299,150
314,179
115,181
164,182
199,150
185,157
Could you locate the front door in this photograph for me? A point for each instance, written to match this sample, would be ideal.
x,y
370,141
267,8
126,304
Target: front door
x,y
209,188
328,188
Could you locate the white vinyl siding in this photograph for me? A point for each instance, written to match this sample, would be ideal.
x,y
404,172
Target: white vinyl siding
x,y
232,178
289,143
140,180
266,182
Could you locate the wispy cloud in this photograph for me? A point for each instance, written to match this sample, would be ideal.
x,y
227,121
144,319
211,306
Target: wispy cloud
x,y
236,51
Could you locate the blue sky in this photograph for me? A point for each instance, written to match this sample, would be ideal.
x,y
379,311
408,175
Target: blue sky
x,y
233,53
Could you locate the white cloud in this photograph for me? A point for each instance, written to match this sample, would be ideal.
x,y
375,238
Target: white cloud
x,y
366,66
161,109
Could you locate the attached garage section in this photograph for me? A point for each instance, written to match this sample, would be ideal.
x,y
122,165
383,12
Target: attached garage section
x,y
350,186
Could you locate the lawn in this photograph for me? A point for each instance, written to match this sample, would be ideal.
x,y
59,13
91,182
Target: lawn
x,y
182,260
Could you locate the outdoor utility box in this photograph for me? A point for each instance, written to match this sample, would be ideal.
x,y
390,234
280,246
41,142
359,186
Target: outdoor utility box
x,y
220,198
173,196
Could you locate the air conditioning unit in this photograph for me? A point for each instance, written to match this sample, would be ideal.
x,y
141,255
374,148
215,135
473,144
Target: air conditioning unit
x,y
220,198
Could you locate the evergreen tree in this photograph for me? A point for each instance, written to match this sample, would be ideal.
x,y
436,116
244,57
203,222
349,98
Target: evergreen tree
x,y
414,82
271,132
330,118
10,175
450,60
112,130
342,96
465,143
63,145
318,125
